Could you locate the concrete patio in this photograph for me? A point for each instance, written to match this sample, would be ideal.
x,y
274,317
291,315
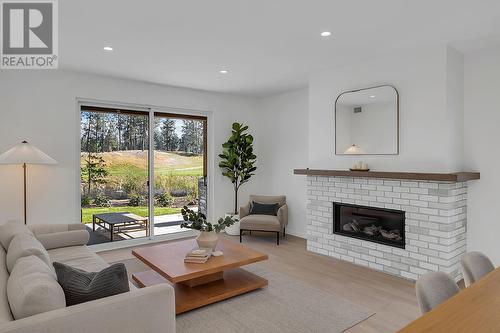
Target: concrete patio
x,y
163,224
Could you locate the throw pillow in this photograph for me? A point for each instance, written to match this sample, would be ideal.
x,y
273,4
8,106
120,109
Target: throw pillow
x,y
56,240
80,286
11,229
264,209
23,245
32,288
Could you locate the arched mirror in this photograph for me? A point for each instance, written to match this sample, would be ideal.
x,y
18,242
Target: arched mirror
x,y
367,121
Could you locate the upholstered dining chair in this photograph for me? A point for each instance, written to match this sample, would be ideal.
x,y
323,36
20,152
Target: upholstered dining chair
x,y
272,216
475,265
433,289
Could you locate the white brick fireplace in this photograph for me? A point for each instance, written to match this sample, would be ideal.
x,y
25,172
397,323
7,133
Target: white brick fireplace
x,y
435,223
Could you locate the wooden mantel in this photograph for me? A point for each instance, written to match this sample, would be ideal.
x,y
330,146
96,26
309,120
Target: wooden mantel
x,y
444,177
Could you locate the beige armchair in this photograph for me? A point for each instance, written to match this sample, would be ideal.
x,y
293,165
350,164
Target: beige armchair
x,y
268,223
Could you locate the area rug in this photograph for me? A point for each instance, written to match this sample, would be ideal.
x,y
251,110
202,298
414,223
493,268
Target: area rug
x,y
286,305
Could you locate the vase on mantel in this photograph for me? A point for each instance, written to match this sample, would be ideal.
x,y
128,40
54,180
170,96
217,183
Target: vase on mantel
x,y
207,239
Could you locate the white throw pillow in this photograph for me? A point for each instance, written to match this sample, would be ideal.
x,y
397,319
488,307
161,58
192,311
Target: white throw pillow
x,y
24,245
32,288
9,230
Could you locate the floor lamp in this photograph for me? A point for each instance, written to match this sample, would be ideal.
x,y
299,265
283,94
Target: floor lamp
x,y
24,154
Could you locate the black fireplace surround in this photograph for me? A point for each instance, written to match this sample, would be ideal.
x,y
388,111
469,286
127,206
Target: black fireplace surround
x,y
379,225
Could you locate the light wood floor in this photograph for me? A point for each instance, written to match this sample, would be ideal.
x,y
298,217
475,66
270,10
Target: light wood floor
x,y
391,298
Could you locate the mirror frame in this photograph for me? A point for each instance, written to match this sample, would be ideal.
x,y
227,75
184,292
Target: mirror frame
x,y
397,116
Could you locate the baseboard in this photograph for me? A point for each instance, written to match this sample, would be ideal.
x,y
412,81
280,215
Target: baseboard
x,y
294,232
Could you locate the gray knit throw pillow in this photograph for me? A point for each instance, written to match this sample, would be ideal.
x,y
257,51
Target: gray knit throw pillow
x,y
80,286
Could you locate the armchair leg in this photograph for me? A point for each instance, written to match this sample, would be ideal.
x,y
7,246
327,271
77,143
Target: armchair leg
x,y
278,238
241,233
284,232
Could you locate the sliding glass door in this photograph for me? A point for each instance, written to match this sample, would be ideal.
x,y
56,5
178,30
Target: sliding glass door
x,y
114,173
180,168
116,168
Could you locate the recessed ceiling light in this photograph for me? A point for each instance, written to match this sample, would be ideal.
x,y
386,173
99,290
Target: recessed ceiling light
x,y
223,71
325,34
372,96
108,48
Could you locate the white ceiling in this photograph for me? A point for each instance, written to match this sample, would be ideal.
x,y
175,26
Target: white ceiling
x,y
268,46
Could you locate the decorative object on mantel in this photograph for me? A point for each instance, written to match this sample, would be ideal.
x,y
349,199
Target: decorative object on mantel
x,y
360,166
24,154
356,150
208,231
440,177
354,168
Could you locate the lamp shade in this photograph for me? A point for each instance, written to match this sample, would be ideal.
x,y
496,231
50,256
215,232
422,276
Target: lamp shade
x,y
25,153
354,150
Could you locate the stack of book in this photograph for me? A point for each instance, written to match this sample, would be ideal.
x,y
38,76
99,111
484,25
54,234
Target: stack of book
x,y
198,256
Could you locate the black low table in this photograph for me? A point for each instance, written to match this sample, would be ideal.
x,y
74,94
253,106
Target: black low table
x,y
118,221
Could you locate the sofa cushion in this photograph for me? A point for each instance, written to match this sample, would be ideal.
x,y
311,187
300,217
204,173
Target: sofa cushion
x,y
269,199
32,288
63,239
24,245
11,229
50,228
79,257
80,286
5,314
257,208
260,222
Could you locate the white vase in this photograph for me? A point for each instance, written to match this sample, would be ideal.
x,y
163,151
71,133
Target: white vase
x,y
233,230
207,239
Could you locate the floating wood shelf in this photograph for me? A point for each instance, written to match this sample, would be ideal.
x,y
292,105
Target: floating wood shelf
x,y
444,177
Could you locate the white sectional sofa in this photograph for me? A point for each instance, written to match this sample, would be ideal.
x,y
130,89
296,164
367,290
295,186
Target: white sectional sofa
x,y
145,310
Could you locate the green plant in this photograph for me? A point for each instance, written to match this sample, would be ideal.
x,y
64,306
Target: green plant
x,y
134,183
163,199
137,200
169,183
101,201
86,201
94,170
198,221
237,159
192,199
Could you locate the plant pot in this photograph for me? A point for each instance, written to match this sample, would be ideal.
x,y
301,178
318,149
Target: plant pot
x,y
207,239
233,230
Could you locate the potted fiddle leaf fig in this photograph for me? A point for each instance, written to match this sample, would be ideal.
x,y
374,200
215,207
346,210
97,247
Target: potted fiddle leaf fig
x,y
237,162
208,231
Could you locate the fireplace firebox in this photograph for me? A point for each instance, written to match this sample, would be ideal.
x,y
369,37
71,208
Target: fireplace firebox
x,y
379,225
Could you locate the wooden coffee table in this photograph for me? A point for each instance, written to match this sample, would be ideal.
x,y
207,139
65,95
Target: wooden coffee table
x,y
197,285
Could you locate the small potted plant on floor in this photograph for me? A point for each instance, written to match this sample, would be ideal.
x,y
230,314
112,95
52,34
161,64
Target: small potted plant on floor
x,y
238,164
208,231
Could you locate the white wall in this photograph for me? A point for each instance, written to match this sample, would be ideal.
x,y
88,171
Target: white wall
x,y
344,127
455,106
482,139
375,128
283,147
420,75
40,106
